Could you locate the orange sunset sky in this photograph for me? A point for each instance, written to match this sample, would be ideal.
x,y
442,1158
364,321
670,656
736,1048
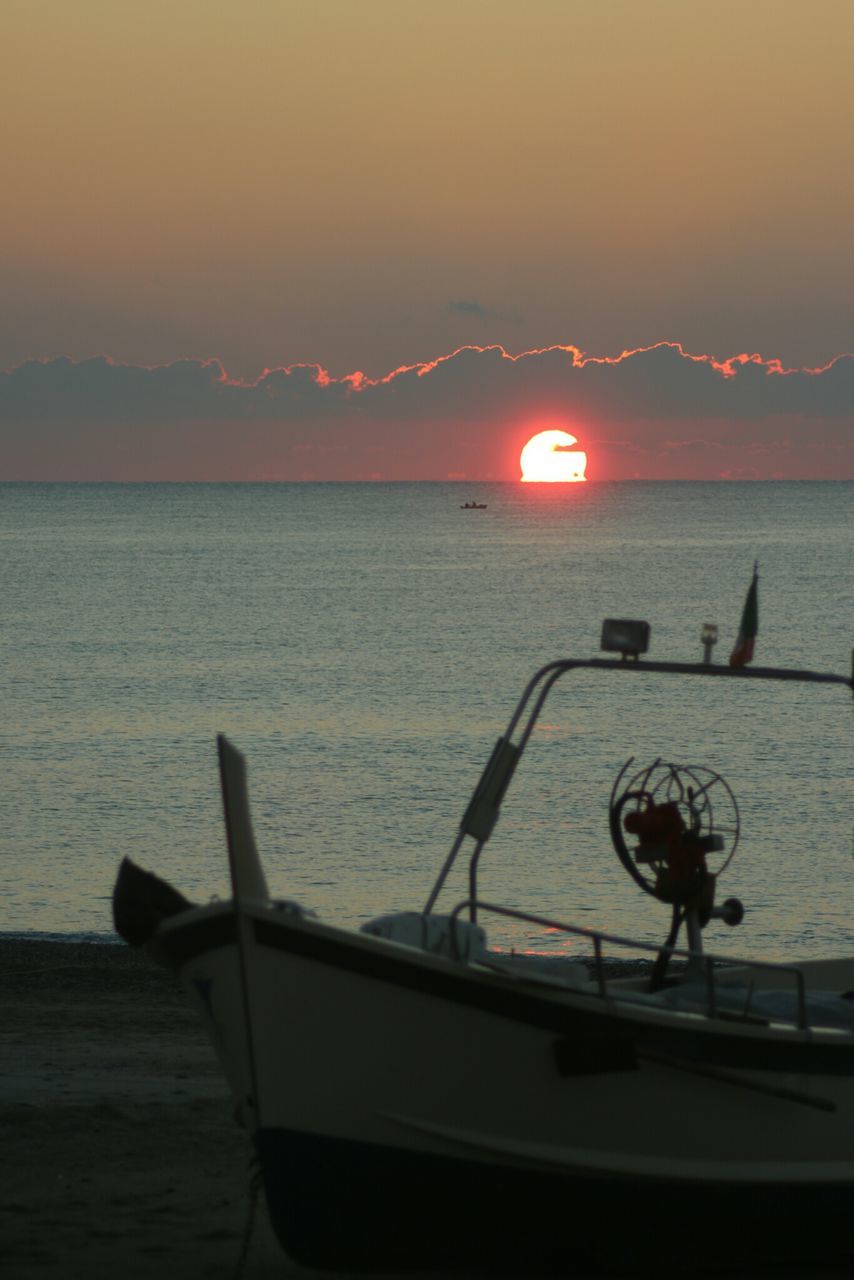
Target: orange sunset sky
x,y
386,239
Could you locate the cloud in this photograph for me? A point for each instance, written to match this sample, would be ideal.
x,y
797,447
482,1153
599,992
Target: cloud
x,y
469,309
476,310
462,411
674,446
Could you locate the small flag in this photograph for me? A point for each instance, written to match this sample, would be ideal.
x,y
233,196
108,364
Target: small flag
x,y
743,651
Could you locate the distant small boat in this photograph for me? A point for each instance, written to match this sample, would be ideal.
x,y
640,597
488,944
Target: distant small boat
x,y
473,506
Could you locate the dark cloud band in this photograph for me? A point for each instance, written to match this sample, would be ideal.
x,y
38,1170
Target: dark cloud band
x,y
659,399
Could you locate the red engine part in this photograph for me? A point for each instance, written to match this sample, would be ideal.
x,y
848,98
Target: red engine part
x,y
658,822
664,839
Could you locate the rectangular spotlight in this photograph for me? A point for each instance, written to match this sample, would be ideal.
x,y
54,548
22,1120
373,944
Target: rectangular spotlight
x,y
625,635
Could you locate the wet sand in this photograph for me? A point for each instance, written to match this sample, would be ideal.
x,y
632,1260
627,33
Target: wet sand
x,y
119,1155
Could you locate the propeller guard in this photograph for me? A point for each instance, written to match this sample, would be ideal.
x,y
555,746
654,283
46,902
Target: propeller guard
x,y
685,821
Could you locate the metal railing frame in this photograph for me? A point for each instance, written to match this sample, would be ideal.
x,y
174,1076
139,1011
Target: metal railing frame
x,y
494,782
598,937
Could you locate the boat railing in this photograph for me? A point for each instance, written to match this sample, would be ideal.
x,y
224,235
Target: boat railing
x,y
484,807
706,962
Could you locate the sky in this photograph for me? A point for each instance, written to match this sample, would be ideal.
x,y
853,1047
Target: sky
x,y
355,239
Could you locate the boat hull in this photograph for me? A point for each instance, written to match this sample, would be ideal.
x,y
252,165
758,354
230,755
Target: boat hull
x,y
410,1111
337,1204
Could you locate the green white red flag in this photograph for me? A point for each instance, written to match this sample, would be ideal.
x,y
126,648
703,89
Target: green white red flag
x,y
743,651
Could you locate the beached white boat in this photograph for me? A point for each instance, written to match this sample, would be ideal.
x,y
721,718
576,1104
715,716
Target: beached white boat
x,y
418,1100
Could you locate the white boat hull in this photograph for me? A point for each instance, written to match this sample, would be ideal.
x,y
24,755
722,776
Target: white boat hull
x,y
400,1100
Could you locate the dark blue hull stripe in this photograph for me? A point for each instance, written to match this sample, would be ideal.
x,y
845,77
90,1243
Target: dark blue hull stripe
x,y
338,1204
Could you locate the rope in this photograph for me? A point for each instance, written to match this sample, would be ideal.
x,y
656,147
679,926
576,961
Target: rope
x,y
251,1213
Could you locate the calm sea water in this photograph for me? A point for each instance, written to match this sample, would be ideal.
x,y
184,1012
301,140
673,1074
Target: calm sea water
x,y
364,645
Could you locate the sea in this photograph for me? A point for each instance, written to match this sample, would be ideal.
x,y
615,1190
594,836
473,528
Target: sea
x,y
364,645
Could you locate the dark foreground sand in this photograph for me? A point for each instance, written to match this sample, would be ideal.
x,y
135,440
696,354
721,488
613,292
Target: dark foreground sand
x,y
118,1153
119,1157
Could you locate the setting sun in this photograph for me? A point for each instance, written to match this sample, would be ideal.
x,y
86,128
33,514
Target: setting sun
x,y
549,458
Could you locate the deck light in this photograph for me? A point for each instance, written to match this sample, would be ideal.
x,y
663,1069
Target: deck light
x,y
626,636
709,637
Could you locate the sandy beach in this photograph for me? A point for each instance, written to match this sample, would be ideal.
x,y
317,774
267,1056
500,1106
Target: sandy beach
x,y
120,1156
119,1152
